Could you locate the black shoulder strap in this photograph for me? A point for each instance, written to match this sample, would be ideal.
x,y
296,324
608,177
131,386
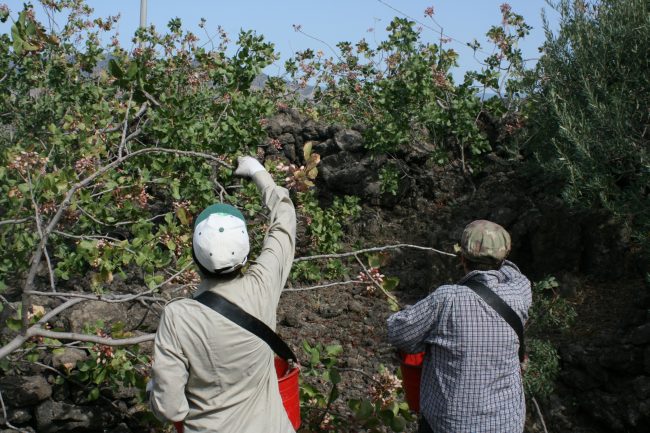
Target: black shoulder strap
x,y
504,310
250,323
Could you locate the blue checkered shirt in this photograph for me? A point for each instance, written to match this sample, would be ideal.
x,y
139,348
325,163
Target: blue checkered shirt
x,y
471,381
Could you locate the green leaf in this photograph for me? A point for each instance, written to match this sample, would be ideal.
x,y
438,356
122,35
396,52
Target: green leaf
x,y
365,410
101,376
14,324
132,71
398,423
334,349
93,394
182,216
335,376
315,357
114,69
390,283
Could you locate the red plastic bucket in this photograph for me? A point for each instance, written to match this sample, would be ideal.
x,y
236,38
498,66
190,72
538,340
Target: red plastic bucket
x,y
411,366
288,384
289,391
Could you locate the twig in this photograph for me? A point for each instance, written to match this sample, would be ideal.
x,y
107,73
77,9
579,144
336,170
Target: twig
x,y
371,250
37,331
138,115
379,286
7,303
321,286
90,237
539,413
125,127
151,98
4,414
50,270
111,299
16,221
363,373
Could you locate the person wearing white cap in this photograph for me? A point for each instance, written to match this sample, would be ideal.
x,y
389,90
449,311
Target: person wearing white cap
x,y
209,373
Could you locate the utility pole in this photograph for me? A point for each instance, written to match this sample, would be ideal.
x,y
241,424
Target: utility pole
x,y
143,17
143,13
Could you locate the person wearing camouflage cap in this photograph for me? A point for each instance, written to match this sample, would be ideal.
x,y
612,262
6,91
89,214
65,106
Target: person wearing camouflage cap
x,y
471,379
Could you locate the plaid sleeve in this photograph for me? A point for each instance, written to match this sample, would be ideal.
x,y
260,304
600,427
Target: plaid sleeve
x,y
408,329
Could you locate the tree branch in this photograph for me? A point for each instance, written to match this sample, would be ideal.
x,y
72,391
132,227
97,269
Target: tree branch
x,y
539,413
16,221
38,331
322,286
372,250
111,299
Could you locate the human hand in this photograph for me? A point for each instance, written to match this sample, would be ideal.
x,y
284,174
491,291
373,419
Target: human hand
x,y
247,166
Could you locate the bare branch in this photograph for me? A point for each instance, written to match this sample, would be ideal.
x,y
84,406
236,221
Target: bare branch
x,y
125,127
37,331
322,286
54,312
50,271
137,116
111,299
539,413
371,250
4,414
16,221
151,98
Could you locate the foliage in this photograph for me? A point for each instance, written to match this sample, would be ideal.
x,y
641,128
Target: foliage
x,y
401,90
542,368
70,111
549,314
325,226
592,98
302,178
111,367
320,412
389,179
325,230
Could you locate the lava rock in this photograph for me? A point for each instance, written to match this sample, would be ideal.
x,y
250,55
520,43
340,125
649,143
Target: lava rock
x,y
349,140
54,416
68,358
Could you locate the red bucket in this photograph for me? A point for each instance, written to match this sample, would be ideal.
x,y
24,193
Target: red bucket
x,y
288,384
411,366
289,392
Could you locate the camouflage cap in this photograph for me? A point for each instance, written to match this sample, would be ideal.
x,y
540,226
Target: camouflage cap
x,y
485,242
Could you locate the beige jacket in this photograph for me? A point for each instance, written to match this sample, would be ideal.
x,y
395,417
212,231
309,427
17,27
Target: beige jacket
x,y
208,371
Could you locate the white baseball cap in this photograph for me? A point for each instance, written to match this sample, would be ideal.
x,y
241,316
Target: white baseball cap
x,y
220,243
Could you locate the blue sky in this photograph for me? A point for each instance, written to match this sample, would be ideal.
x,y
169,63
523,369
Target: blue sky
x,y
330,21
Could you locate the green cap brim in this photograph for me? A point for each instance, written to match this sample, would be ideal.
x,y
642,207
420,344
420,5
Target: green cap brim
x,y
219,208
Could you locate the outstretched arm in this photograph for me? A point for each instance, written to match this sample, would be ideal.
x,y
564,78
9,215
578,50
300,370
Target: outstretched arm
x,y
273,265
408,329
